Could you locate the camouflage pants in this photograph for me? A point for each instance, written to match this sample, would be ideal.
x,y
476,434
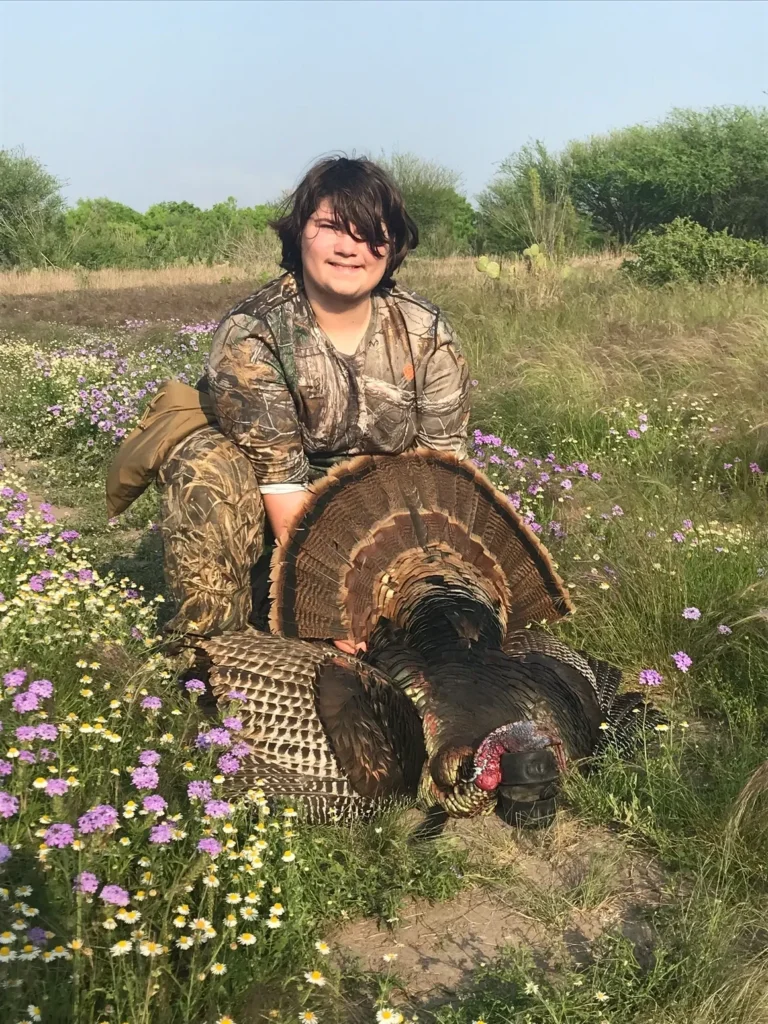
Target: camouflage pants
x,y
212,525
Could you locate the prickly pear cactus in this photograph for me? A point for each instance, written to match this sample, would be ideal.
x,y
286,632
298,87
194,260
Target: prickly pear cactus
x,y
489,267
535,257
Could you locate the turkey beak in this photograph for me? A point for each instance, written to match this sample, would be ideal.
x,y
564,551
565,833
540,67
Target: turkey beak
x,y
528,788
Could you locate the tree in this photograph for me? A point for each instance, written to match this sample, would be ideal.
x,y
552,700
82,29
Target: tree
x,y
620,181
104,233
527,203
721,167
444,217
711,166
31,208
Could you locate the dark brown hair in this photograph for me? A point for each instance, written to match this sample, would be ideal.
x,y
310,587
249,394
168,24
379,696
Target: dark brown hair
x,y
361,194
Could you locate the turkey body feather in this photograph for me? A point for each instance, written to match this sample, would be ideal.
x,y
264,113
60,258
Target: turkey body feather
x,y
456,702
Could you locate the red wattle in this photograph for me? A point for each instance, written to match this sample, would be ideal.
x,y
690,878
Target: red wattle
x,y
489,779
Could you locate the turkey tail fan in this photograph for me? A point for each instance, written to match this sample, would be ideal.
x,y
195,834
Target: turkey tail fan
x,y
384,536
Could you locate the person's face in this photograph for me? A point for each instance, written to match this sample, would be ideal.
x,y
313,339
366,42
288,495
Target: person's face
x,y
334,262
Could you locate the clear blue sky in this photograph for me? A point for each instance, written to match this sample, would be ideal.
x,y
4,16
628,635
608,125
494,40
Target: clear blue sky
x,y
146,101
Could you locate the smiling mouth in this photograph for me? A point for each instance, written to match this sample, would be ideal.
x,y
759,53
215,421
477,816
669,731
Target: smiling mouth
x,y
345,266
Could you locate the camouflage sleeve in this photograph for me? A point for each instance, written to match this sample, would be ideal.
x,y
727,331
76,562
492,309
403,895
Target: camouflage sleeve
x,y
444,396
253,405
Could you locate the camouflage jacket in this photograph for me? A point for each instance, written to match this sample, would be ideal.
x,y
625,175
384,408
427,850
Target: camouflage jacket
x,y
287,397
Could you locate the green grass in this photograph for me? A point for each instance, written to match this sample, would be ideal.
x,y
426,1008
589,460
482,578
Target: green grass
x,y
566,366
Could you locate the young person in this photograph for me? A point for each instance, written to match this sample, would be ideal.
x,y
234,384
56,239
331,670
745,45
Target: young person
x,y
330,360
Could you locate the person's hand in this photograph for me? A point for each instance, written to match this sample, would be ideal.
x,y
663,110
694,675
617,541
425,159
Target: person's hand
x,y
348,648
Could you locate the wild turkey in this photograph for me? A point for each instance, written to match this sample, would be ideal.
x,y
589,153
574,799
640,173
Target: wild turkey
x,y
455,702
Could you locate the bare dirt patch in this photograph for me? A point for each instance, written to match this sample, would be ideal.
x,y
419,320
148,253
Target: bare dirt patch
x,y
553,893
98,308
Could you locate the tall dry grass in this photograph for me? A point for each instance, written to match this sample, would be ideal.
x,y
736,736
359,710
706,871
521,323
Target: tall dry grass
x,y
248,260
41,282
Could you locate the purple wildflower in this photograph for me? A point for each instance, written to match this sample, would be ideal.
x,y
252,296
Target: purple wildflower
x,y
15,677
5,767
218,737
237,695
650,677
687,524
9,805
235,724
24,702
99,818
68,535
691,613
85,575
56,787
217,808
240,749
115,896
37,935
754,468
677,537
725,630
5,853
149,758
44,754
154,803
86,881
151,703
26,733
194,686
145,778
213,738
566,484
210,845
228,764
42,688
36,584
47,731
617,510
60,835
199,789
682,660
160,834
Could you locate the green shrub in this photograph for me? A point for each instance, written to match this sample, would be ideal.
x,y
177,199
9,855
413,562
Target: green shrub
x,y
685,251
